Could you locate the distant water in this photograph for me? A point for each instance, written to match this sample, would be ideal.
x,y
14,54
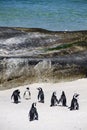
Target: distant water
x,y
48,14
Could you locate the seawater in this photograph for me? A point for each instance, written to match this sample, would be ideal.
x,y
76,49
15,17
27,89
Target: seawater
x,y
55,15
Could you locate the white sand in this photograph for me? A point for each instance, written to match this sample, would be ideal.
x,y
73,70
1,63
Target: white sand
x,y
15,116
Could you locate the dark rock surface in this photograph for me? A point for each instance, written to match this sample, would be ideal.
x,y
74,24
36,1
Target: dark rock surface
x,y
30,55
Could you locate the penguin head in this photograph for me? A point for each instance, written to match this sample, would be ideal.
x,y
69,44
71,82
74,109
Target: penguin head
x,y
18,91
39,88
63,93
27,88
34,104
75,95
54,93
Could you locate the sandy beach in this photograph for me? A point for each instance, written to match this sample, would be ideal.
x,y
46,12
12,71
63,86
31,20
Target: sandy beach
x,y
15,116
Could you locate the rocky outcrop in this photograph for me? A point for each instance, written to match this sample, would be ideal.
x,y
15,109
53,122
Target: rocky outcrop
x,y
30,55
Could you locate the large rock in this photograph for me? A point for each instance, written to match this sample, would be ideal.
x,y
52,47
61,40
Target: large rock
x,y
30,55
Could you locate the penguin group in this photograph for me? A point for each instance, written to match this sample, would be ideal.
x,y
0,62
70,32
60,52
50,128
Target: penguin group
x,y
33,114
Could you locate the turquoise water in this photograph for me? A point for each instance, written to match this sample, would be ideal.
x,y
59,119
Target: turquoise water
x,y
48,14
